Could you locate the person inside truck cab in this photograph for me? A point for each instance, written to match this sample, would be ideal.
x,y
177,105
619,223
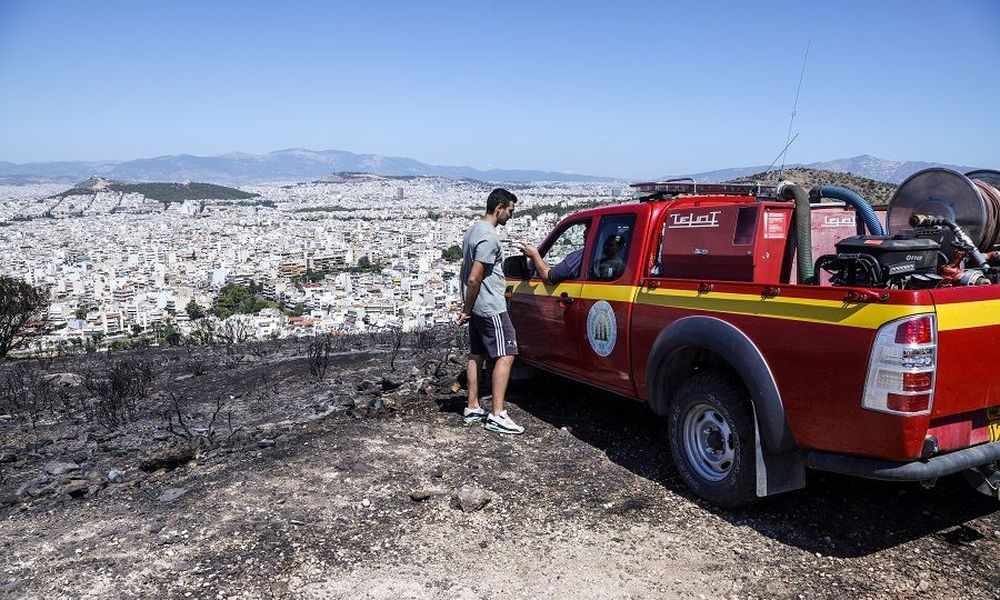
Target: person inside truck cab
x,y
611,264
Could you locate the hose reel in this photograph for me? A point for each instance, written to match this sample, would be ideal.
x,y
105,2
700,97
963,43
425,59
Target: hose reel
x,y
971,200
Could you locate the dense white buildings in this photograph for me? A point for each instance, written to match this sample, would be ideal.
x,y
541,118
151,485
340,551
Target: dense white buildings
x,y
114,272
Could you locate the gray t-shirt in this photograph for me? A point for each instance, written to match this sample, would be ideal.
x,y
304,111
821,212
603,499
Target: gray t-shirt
x,y
481,243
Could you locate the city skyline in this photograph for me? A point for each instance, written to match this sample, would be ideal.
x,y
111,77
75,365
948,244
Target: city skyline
x,y
514,86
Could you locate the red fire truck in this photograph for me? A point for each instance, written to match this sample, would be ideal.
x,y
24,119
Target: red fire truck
x,y
780,330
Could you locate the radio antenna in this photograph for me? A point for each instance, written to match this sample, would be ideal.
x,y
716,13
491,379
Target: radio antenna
x,y
779,156
795,107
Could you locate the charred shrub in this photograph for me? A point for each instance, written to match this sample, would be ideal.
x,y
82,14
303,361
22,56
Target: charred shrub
x,y
26,393
117,388
204,435
196,367
318,355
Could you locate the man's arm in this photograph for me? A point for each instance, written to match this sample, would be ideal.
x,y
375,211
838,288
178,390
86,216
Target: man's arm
x,y
472,285
541,266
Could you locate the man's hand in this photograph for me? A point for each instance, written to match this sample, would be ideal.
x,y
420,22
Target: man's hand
x,y
463,319
529,250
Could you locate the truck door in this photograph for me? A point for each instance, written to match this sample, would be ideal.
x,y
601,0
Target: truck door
x,y
606,304
546,317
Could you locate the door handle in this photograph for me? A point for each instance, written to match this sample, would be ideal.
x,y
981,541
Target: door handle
x,y
564,299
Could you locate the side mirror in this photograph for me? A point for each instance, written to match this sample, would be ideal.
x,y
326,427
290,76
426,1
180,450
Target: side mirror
x,y
516,266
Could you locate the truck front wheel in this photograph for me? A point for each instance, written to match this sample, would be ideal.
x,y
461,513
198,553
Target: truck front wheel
x,y
711,438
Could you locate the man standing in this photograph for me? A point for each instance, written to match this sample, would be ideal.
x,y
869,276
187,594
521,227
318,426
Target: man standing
x,y
485,310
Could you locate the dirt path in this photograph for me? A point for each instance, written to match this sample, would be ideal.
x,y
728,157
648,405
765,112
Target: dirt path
x,y
585,505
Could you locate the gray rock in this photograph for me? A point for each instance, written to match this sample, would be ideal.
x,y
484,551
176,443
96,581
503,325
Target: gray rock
x,y
7,457
470,498
169,458
64,379
9,586
155,527
628,505
116,476
161,436
389,384
56,467
8,499
173,494
76,488
437,472
419,495
265,443
38,489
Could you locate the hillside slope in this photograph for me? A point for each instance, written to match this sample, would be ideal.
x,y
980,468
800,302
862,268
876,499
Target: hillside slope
x,y
877,193
342,487
158,191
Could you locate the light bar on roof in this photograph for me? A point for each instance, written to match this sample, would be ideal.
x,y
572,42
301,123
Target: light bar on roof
x,y
661,189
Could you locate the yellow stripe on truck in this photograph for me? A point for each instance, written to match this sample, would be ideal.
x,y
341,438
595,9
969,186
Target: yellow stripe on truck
x,y
966,315
829,312
588,291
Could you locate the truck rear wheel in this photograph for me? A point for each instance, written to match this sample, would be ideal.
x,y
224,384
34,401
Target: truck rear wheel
x,y
711,438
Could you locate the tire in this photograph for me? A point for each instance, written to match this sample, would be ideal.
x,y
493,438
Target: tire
x,y
711,434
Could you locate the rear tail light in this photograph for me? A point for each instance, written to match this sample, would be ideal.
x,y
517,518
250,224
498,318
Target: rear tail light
x,y
901,368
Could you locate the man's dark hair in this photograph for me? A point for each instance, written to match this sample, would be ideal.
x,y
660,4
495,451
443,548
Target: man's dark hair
x,y
499,197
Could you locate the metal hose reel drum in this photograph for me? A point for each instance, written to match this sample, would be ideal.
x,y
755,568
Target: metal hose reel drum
x,y
988,176
972,201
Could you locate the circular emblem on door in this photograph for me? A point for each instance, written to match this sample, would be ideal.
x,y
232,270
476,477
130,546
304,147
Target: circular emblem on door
x,y
602,329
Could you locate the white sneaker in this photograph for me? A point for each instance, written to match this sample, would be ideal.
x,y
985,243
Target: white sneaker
x,y
503,424
473,415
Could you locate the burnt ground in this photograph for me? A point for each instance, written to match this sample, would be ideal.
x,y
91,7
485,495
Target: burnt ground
x,y
309,496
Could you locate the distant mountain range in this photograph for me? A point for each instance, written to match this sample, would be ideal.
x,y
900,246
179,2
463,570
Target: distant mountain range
x,y
294,165
298,165
871,167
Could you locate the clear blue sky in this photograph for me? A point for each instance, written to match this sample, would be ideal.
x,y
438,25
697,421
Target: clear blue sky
x,y
611,88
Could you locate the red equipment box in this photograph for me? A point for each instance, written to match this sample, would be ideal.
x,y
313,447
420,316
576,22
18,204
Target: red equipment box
x,y
725,240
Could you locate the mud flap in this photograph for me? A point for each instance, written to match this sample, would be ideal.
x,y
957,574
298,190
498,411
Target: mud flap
x,y
776,473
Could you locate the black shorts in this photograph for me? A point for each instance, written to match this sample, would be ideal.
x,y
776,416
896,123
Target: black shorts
x,y
493,336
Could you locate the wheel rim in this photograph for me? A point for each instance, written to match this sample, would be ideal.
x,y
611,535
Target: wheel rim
x,y
709,442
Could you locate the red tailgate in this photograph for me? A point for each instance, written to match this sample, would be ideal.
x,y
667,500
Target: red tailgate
x,y
968,380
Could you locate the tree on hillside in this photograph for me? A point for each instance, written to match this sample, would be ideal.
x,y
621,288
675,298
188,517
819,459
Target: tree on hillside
x,y
452,254
20,303
194,310
239,300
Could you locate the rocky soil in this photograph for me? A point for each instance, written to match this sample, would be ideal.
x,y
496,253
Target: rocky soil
x,y
367,485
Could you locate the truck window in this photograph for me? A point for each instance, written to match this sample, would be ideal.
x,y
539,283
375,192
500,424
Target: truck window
x,y
572,239
611,247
